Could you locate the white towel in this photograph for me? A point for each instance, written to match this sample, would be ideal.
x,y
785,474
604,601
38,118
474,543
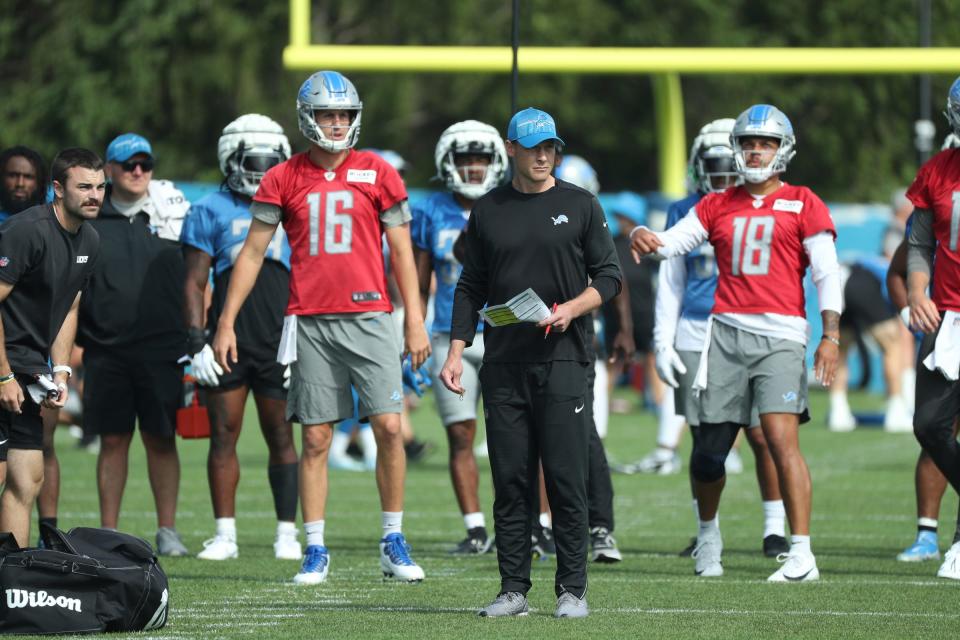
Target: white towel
x,y
945,356
700,380
287,352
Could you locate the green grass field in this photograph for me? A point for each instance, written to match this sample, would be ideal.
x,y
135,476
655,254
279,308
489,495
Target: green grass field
x,y
864,514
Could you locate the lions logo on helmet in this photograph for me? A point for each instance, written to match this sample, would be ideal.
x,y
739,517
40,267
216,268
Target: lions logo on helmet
x,y
328,91
248,148
952,111
470,137
763,121
576,170
711,165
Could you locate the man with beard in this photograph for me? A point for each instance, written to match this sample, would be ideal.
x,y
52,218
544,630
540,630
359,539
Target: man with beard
x,y
47,254
23,180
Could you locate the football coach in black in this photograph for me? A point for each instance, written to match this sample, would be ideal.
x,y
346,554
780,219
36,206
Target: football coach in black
x,y
46,256
541,233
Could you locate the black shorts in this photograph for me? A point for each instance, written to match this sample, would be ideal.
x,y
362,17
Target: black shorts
x,y
262,374
864,304
119,391
21,430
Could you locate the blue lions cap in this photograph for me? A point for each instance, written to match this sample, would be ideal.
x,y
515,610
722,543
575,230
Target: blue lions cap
x,y
127,145
532,126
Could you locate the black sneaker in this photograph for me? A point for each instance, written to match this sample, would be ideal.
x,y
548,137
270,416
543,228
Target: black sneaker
x,y
774,545
476,543
688,550
541,542
417,450
604,546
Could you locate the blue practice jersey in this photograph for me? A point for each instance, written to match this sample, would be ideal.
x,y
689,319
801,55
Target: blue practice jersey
x,y
217,224
701,267
437,223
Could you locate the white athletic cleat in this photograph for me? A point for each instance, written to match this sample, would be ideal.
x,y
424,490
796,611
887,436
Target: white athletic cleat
x,y
707,556
660,461
287,547
219,547
898,418
951,563
316,565
841,419
395,560
734,463
797,567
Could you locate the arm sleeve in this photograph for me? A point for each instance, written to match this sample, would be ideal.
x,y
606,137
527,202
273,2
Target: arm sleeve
x,y
20,249
266,213
822,253
471,292
682,238
600,254
396,215
198,230
921,242
671,282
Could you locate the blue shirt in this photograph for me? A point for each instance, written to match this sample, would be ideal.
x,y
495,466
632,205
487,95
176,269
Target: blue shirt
x,y
700,264
217,224
437,223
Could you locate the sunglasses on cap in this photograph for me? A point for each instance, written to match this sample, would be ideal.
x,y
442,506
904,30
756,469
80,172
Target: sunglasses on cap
x,y
145,165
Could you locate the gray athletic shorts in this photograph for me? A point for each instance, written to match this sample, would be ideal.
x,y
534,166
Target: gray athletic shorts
x,y
334,353
687,403
746,370
449,405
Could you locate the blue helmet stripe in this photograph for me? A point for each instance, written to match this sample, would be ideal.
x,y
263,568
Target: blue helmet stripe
x,y
334,81
758,114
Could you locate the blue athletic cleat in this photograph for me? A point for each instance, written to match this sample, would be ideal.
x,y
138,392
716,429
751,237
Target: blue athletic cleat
x,y
316,564
924,548
395,560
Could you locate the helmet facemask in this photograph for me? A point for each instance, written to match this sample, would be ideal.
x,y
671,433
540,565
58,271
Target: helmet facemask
x,y
776,165
717,170
247,166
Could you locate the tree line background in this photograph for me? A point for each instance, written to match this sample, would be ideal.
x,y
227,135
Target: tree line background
x,y
78,72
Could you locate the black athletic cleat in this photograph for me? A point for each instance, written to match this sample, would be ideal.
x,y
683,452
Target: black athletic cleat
x,y
541,542
417,450
774,545
687,551
476,543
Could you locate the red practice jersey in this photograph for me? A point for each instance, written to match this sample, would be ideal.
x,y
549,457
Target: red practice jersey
x,y
937,189
332,220
759,247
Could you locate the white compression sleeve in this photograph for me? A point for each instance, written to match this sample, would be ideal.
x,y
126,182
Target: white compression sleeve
x,y
822,253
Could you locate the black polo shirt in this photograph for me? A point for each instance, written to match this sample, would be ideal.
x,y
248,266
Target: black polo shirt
x,y
555,242
47,266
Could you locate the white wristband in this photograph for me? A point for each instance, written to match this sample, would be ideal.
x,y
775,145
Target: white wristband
x,y
63,368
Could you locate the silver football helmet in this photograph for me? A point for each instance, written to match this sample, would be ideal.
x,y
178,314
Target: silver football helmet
x,y
953,107
578,171
470,137
763,121
325,91
711,166
248,147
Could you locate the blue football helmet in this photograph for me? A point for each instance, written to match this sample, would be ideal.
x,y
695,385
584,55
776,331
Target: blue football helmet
x,y
578,171
328,91
763,121
953,107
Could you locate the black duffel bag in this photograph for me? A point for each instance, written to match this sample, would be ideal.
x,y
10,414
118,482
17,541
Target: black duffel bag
x,y
84,581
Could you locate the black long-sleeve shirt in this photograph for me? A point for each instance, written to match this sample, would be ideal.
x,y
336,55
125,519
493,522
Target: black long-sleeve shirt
x,y
555,242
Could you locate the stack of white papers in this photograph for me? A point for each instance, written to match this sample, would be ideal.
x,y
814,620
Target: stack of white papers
x,y
523,307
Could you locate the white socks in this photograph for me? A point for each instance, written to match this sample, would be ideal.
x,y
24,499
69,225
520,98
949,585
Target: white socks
x,y
227,528
601,399
669,424
314,532
545,520
392,522
474,520
774,518
708,527
286,529
800,544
